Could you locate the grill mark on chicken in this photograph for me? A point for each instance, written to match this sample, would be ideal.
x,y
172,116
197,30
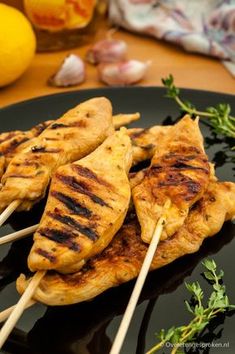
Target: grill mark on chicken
x,y
82,188
183,166
20,176
62,237
193,151
181,158
80,124
192,187
72,204
179,166
46,254
67,220
8,136
169,177
58,125
13,145
43,149
27,163
87,173
51,139
186,154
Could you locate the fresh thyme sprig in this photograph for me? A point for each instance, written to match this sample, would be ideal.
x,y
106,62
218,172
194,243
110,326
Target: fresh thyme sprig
x,y
217,302
218,117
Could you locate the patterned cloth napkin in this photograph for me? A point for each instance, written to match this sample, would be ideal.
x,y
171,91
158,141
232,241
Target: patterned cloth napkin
x,y
203,26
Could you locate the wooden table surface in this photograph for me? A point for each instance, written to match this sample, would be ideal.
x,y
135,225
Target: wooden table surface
x,y
189,70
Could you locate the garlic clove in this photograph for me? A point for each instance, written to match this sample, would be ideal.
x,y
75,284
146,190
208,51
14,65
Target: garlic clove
x,y
70,73
122,73
107,51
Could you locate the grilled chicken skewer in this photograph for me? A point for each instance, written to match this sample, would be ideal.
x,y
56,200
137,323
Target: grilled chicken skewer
x,y
143,140
122,259
13,142
150,252
71,137
179,171
87,203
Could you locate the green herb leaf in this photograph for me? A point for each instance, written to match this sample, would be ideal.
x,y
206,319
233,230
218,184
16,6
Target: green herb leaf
x,y
218,302
209,276
189,308
217,117
209,264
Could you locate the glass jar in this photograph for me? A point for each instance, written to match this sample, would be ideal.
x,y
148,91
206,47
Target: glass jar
x,y
62,24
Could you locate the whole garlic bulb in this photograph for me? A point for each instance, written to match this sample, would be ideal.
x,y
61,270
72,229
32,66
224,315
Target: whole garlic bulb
x,y
122,73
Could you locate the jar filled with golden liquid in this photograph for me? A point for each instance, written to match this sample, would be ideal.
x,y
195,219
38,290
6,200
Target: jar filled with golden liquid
x,y
62,24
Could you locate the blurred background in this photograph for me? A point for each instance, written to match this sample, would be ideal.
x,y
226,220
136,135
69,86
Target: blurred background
x,y
49,46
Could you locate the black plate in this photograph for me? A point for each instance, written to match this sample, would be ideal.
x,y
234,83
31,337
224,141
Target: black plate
x,y
91,327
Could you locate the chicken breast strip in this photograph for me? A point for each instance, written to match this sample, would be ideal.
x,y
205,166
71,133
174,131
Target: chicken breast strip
x,y
13,142
122,259
73,136
179,171
144,141
87,204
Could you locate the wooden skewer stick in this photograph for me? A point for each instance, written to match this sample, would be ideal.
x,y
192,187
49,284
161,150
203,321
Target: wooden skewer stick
x,y
8,211
119,339
18,234
20,307
6,313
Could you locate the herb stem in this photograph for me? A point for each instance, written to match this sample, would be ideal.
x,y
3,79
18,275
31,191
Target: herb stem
x,y
191,111
213,313
156,347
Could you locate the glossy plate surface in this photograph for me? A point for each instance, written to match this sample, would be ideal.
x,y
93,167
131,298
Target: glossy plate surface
x,y
90,328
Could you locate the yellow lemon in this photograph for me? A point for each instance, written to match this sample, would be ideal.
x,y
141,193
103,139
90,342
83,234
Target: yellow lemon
x,y
17,44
